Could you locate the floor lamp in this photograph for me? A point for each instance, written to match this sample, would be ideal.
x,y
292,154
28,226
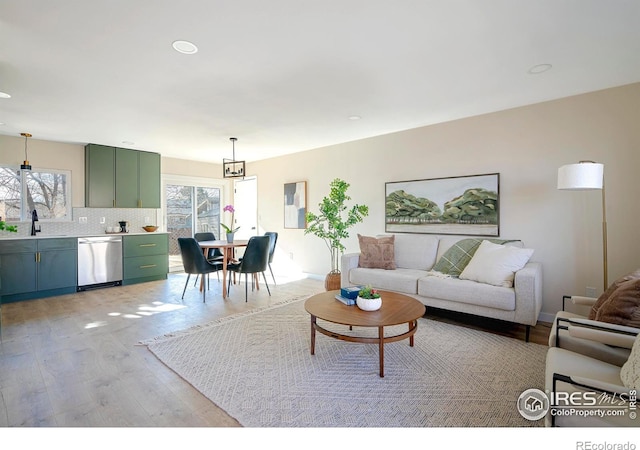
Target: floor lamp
x,y
587,175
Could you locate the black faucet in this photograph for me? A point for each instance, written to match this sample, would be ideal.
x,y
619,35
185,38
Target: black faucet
x,y
34,219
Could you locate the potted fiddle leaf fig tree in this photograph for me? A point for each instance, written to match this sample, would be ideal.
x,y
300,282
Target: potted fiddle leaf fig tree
x,y
332,223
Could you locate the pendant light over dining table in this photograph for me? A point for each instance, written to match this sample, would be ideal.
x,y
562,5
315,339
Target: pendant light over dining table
x,y
230,167
25,164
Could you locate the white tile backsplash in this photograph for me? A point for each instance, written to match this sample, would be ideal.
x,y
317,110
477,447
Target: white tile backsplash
x,y
137,218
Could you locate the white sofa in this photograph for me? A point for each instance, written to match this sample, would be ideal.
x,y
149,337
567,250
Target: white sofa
x,y
416,254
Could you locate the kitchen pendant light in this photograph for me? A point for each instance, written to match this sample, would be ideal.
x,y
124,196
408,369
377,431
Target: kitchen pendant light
x,y
25,164
230,167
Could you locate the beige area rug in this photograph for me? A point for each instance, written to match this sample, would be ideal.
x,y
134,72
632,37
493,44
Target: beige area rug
x,y
257,367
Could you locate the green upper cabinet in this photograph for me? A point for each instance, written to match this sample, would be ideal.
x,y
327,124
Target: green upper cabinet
x,y
100,172
149,180
126,178
121,178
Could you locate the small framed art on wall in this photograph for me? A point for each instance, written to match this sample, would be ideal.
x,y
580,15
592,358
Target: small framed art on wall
x,y
295,205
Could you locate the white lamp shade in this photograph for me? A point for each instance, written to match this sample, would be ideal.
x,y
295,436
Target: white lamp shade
x,y
581,176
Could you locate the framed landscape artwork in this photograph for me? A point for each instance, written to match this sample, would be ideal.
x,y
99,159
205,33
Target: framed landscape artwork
x,y
467,205
295,205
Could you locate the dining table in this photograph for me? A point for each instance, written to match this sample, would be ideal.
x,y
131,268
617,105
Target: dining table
x,y
227,250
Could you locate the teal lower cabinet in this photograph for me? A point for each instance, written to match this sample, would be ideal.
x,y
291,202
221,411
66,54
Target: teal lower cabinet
x,y
18,271
57,264
146,258
35,268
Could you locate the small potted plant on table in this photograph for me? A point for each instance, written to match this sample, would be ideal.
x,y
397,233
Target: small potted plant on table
x,y
369,299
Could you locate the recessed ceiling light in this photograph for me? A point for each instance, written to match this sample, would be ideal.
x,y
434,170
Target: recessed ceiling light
x,y
186,47
355,117
4,95
539,68
128,142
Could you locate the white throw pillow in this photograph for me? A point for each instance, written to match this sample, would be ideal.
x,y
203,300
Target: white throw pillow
x,y
496,264
630,372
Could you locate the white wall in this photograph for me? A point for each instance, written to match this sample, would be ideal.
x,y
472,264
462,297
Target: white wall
x,y
526,146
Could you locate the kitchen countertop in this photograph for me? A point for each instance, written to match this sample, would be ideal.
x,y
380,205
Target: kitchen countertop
x,y
4,236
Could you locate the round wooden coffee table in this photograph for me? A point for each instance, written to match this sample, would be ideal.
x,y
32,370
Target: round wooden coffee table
x,y
396,309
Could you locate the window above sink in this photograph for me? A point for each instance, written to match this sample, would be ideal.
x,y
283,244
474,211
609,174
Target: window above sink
x,y
47,191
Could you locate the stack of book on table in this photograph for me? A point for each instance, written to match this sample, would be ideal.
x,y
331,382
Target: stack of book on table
x,y
348,295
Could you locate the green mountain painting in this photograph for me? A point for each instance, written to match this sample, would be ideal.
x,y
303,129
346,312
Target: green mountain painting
x,y
459,205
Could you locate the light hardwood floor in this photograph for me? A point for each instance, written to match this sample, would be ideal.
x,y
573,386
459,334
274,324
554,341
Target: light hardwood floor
x,y
73,360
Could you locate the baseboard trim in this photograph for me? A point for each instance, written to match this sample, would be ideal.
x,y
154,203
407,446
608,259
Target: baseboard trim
x,y
314,276
546,317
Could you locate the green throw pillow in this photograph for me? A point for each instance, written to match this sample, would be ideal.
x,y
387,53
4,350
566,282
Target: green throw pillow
x,y
456,258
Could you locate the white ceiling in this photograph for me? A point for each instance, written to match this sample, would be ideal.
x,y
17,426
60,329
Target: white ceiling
x,y
285,75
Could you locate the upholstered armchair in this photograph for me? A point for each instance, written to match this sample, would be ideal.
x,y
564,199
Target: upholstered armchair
x,y
577,333
580,386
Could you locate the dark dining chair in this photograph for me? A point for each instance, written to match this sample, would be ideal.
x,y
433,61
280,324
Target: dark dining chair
x,y
194,262
273,238
254,261
214,254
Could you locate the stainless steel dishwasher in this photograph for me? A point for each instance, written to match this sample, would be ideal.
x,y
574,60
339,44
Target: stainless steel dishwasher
x,y
99,262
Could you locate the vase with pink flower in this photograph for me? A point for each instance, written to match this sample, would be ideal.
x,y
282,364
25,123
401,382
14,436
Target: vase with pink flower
x,y
230,229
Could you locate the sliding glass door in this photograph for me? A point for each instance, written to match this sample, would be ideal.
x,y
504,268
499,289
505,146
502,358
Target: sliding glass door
x,y
189,209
